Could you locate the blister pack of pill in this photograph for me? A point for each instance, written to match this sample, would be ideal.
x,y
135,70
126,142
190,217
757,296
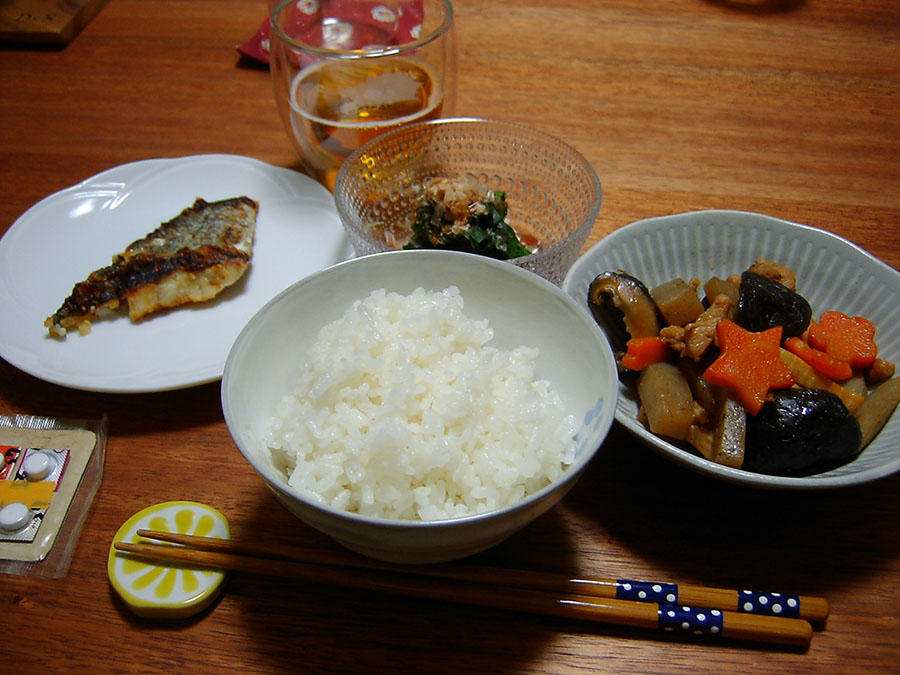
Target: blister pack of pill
x,y
49,474
26,493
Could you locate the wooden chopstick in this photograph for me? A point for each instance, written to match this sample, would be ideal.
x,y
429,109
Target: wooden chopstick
x,y
396,580
810,608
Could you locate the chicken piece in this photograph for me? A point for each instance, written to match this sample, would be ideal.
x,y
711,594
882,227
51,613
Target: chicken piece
x,y
692,340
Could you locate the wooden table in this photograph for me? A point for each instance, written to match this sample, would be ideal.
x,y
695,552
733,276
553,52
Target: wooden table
x,y
680,105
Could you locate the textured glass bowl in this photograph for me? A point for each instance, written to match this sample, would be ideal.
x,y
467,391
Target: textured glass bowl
x,y
552,190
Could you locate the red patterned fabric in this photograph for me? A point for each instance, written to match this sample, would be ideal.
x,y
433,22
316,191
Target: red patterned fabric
x,y
359,24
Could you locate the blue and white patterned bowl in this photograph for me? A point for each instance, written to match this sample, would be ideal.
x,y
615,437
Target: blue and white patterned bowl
x,y
832,273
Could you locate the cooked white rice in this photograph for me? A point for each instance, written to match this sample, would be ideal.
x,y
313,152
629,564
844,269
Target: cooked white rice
x,y
402,411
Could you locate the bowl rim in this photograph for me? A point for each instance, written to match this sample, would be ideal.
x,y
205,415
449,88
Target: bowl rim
x,y
275,480
583,229
748,220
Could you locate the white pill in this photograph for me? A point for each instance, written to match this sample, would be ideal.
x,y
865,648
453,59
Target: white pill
x,y
14,517
38,465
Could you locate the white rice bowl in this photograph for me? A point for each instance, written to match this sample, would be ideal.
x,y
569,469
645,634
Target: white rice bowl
x,y
569,350
403,410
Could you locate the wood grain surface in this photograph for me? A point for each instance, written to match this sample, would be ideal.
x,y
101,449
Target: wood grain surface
x,y
789,109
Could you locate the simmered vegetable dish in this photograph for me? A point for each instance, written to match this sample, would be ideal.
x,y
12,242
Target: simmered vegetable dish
x,y
741,371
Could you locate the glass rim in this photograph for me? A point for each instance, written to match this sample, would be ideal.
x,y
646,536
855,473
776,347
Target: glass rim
x,y
381,51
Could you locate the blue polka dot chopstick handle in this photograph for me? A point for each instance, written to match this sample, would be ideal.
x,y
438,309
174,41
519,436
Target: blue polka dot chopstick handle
x,y
781,605
748,602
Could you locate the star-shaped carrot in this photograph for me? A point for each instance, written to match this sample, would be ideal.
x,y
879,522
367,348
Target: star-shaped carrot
x,y
749,364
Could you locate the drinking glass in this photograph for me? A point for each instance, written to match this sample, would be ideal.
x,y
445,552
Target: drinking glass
x,y
345,71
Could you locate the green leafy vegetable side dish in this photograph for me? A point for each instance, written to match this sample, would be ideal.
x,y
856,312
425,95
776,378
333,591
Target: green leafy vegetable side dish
x,y
485,231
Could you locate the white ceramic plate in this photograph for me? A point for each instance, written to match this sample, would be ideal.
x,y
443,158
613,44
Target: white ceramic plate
x,y
62,238
831,273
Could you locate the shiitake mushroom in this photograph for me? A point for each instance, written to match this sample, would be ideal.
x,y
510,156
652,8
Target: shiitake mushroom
x,y
630,300
799,432
765,303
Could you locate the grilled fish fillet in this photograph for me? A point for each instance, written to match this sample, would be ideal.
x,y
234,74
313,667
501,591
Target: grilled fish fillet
x,y
191,258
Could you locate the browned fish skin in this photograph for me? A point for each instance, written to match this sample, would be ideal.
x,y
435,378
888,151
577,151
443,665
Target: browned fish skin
x,y
209,242
218,223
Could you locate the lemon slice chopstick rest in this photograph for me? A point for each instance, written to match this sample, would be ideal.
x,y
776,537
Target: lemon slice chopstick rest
x,y
157,589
